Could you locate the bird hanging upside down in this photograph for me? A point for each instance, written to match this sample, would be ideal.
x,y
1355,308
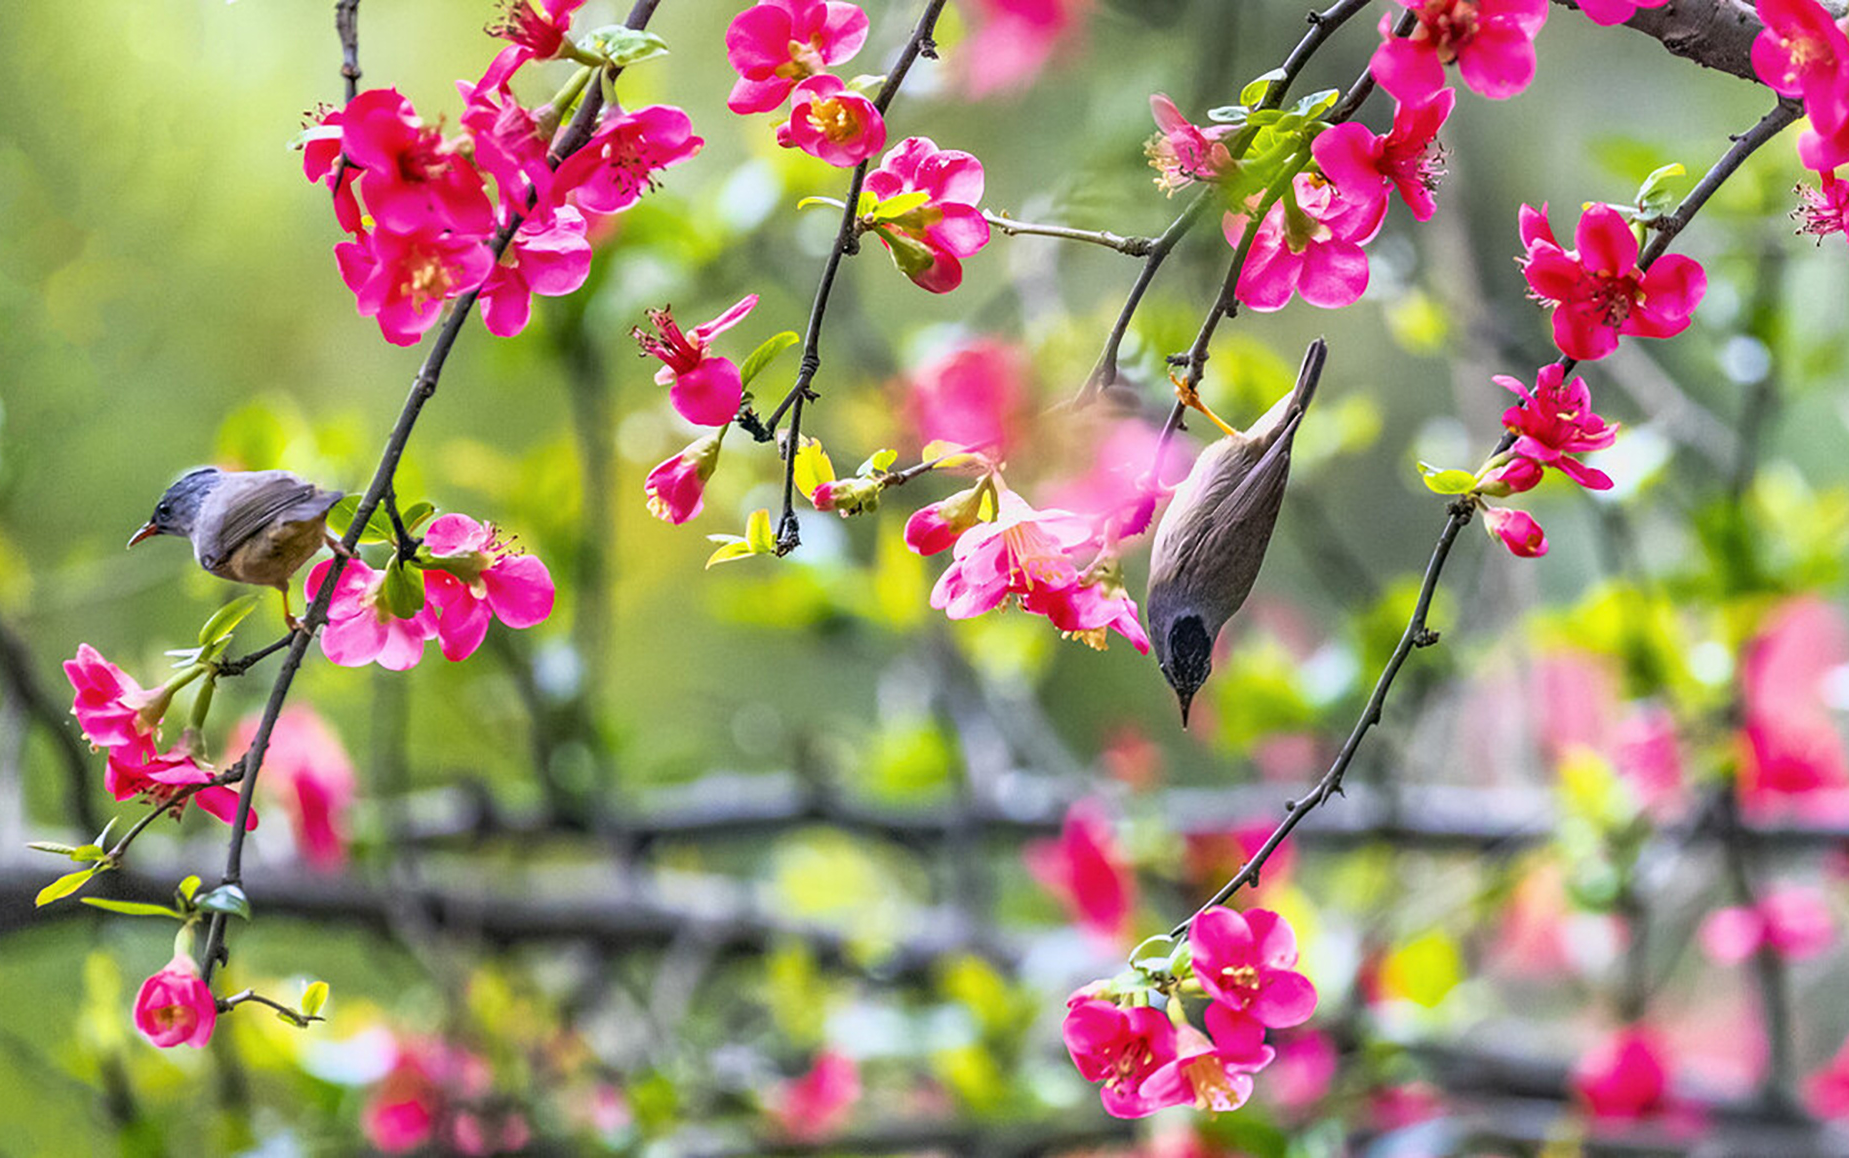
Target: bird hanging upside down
x,y
249,526
1212,539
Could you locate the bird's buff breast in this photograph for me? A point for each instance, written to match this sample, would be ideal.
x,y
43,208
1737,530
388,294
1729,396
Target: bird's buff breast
x,y
269,558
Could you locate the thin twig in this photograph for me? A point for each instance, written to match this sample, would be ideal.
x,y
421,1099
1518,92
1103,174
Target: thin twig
x,y
1133,246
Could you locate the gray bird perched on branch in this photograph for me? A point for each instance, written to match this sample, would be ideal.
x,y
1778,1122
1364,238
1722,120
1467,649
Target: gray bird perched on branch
x,y
1212,539
249,526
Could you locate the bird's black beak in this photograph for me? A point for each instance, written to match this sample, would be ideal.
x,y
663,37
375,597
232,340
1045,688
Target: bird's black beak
x,y
1186,699
148,531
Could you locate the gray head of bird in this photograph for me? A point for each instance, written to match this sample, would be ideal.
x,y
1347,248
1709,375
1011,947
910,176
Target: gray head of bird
x,y
178,509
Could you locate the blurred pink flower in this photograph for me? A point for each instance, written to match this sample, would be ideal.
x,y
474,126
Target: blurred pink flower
x,y
816,1105
307,771
175,1006
1131,757
1245,960
1084,868
1647,757
1793,752
1794,922
1625,1076
424,1097
1120,1048
703,387
774,45
1117,492
1014,40
974,395
1304,1071
1826,1092
474,576
1574,701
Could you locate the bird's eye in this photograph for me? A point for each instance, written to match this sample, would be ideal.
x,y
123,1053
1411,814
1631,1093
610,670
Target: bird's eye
x,y
163,510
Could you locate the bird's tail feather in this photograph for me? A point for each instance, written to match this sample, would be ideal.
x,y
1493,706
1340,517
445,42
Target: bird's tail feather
x,y
1282,413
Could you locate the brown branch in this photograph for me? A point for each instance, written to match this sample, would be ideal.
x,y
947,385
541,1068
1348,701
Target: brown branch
x,y
22,684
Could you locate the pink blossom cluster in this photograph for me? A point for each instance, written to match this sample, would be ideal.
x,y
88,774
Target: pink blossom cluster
x,y
1145,1060
439,1095
416,204
1309,240
470,576
781,50
120,717
1803,53
937,223
1598,291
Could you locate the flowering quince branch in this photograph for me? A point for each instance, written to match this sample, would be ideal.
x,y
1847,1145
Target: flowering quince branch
x,y
847,241
1130,246
423,387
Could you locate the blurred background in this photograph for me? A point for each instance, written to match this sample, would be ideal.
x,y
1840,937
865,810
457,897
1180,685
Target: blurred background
x,y
627,881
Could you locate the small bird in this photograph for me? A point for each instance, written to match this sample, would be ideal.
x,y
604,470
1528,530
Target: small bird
x,y
1212,538
249,526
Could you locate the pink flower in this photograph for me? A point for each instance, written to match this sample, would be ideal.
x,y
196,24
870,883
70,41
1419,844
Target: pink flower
x,y
1825,209
1794,752
1648,759
1556,423
321,163
927,241
536,29
1793,922
361,628
972,395
1183,152
1490,41
1216,1074
1212,857
1314,252
1364,167
1802,52
414,180
1305,1070
547,258
403,279
1624,1077
175,1006
817,1104
136,769
833,124
1244,961
1517,530
1598,292
676,489
1121,1048
937,527
774,45
1513,477
1826,1092
1089,611
1822,150
109,705
510,144
1085,870
614,168
308,772
417,1101
705,389
1118,493
1014,41
473,576
1615,11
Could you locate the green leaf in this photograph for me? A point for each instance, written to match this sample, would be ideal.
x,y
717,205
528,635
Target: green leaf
x,y
811,468
404,593
1448,481
759,534
1654,196
1317,103
53,847
734,547
64,886
314,997
1258,86
765,354
812,202
416,513
899,206
88,853
226,619
133,908
340,518
623,46
1229,114
879,463
188,888
228,899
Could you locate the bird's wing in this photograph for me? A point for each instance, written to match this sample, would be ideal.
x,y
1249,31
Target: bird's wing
x,y
255,501
1238,521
